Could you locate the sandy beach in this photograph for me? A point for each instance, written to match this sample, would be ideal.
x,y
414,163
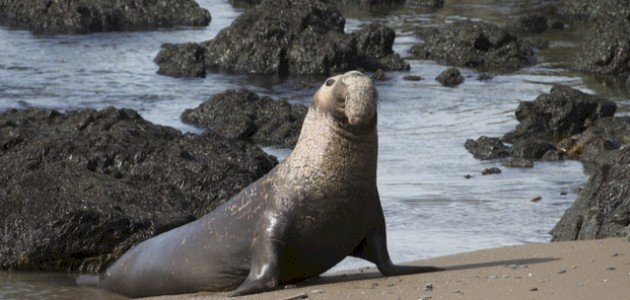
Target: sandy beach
x,y
594,269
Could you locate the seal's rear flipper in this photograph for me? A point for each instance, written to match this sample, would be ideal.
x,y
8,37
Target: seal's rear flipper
x,y
87,280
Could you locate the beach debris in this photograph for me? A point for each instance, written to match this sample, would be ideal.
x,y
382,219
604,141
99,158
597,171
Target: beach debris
x,y
296,297
615,254
562,271
390,284
290,286
536,199
425,298
428,287
533,289
467,176
573,267
318,291
513,266
610,269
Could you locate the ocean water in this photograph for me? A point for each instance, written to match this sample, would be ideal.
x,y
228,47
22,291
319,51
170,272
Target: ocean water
x,y
430,208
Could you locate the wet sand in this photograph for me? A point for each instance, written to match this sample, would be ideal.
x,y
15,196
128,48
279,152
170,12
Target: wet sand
x,y
596,269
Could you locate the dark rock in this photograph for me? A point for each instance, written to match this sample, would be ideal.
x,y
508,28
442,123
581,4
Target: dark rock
x,y
374,47
602,208
379,75
532,24
484,77
241,114
80,188
183,60
289,37
427,3
591,9
450,77
84,16
628,82
245,3
531,148
558,115
491,171
606,47
277,36
475,44
552,155
616,129
589,145
517,162
487,148
412,78
242,3
368,2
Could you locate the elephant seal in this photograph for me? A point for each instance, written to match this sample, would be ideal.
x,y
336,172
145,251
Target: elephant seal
x,y
307,214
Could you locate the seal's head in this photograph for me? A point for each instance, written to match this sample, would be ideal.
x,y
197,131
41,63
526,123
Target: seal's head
x,y
350,99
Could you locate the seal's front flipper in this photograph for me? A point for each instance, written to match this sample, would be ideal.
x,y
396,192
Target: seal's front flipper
x,y
374,249
263,274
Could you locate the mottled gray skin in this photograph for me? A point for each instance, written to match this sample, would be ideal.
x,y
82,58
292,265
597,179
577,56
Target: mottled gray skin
x,y
317,207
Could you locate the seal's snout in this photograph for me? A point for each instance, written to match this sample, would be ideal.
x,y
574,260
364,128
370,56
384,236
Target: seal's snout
x,y
361,98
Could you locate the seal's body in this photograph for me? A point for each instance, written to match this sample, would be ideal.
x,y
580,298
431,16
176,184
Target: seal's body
x,y
317,207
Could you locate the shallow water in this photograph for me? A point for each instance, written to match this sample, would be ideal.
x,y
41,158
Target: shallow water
x,y
431,209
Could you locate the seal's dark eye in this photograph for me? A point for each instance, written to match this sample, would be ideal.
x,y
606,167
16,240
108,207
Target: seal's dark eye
x,y
330,82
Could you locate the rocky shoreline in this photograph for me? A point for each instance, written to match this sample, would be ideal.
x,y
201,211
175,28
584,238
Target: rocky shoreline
x,y
569,124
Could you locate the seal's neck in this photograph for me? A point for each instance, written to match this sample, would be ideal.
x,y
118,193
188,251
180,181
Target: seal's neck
x,y
326,145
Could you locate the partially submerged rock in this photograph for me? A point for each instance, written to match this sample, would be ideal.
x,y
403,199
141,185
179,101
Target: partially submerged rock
x,y
242,114
78,189
475,44
602,208
374,47
485,148
190,60
287,37
491,171
450,77
517,162
532,24
558,115
531,148
84,16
